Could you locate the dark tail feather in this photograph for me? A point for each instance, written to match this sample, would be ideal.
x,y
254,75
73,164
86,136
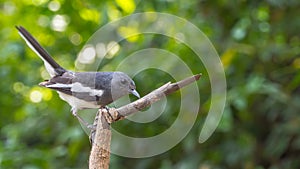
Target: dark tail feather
x,y
40,50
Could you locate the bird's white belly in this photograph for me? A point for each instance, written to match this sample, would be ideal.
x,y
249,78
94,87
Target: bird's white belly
x,y
78,103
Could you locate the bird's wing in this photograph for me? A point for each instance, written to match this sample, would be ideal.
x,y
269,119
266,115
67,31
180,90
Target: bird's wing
x,y
52,67
79,87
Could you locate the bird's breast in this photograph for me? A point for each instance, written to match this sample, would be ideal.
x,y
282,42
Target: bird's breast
x,y
78,103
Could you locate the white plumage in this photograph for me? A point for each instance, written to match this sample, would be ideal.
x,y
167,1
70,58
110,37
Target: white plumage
x,y
77,87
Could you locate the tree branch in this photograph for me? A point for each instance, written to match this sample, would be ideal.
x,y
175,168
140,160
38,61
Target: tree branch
x,y
101,136
100,153
154,96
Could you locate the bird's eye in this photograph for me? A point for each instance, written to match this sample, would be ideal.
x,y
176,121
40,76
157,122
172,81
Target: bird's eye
x,y
123,81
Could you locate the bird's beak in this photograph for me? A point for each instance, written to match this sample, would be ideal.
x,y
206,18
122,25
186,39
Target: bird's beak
x,y
134,92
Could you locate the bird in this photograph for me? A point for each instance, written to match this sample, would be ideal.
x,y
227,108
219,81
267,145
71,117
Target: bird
x,y
81,90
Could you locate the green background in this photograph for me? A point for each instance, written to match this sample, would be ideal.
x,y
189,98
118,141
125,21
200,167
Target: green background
x,y
258,43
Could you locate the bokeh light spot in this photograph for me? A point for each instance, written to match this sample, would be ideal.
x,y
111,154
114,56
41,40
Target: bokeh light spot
x,y
54,6
59,23
76,39
87,55
36,96
112,48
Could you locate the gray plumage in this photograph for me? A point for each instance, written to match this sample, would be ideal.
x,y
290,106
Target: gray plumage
x,y
81,89
113,84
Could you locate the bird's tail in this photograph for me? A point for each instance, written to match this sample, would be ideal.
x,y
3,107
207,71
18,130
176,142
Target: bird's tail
x,y
52,67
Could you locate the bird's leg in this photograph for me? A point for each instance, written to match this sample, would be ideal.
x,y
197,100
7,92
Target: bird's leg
x,y
74,112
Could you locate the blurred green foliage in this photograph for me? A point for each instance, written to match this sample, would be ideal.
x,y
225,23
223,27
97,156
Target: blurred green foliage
x,y
258,43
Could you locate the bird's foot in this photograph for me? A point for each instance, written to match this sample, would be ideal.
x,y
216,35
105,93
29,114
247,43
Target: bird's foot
x,y
111,114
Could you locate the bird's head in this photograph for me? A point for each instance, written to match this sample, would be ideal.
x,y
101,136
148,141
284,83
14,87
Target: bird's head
x,y
122,85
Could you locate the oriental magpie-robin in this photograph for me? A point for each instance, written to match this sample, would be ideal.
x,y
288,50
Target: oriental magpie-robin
x,y
82,90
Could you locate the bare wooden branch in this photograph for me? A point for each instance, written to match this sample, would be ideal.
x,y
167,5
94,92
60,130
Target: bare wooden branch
x,y
153,97
100,153
101,137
